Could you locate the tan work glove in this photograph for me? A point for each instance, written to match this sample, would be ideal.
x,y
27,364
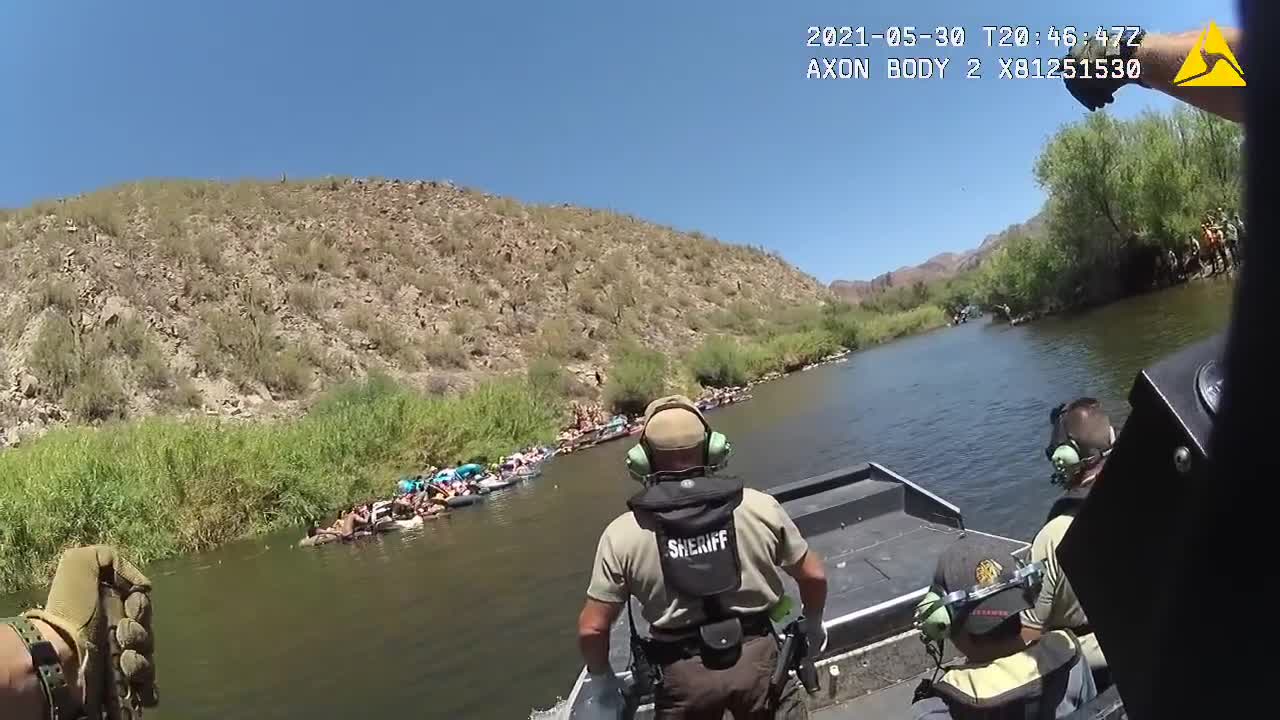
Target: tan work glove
x,y
101,604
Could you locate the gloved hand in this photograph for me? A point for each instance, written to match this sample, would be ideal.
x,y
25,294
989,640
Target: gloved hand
x,y
1093,78
815,634
112,639
602,697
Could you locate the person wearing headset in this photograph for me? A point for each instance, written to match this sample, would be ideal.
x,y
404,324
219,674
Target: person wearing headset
x,y
89,652
978,591
1080,438
701,554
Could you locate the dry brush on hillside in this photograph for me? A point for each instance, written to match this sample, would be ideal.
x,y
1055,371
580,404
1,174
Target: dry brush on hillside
x,y
247,298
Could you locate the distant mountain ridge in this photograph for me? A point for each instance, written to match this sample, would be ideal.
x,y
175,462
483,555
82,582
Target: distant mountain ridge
x,y
939,267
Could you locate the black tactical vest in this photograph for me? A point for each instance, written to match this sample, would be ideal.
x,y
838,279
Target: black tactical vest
x,y
695,532
1070,502
692,521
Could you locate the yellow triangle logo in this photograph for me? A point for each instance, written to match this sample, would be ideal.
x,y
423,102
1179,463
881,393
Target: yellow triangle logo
x,y
1210,63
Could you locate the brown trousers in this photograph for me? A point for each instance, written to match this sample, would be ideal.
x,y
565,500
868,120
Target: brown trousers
x,y
692,691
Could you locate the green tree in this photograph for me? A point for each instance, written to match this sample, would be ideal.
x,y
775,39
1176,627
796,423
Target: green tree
x,y
1118,191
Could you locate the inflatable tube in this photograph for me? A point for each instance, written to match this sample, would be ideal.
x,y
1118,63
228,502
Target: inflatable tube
x,y
411,523
468,470
381,513
326,538
462,500
318,539
383,525
500,483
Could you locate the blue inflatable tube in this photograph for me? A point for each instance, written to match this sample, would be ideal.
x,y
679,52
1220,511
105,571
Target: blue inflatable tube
x,y
466,471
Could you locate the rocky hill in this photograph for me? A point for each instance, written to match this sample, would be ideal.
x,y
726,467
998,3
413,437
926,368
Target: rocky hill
x,y
939,267
248,298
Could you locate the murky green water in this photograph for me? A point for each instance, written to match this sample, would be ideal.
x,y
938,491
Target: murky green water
x,y
473,616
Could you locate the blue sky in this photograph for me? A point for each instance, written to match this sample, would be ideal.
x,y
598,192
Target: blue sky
x,y
691,114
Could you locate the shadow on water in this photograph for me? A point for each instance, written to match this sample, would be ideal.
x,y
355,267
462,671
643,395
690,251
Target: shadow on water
x,y
473,616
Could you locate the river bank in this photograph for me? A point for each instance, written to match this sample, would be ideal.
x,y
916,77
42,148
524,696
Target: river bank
x,y
1002,313
479,610
162,487
1173,215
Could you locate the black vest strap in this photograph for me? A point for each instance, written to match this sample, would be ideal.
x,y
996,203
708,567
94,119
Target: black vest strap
x,y
1070,501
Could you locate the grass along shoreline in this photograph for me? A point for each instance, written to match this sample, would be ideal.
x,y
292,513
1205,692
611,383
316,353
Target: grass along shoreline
x,y
164,486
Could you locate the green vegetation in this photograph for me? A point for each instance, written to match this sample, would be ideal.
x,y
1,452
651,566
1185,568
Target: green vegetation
x,y
287,289
719,362
788,340
1121,193
548,375
876,329
792,351
951,294
161,487
637,376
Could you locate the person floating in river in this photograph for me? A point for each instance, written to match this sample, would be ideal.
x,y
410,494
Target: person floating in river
x,y
1003,674
355,519
1080,439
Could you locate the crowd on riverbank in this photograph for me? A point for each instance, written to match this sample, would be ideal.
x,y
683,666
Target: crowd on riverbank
x,y
592,425
428,495
434,492
177,485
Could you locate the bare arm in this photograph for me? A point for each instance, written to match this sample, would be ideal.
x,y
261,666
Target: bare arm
x,y
811,576
20,694
593,633
1162,55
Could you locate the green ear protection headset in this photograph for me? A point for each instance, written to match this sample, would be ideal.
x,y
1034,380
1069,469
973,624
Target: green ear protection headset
x,y
935,612
1065,455
715,447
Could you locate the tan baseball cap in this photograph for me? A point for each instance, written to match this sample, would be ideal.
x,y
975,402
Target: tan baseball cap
x,y
674,423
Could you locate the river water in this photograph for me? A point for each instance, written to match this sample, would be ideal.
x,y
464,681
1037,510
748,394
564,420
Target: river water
x,y
473,616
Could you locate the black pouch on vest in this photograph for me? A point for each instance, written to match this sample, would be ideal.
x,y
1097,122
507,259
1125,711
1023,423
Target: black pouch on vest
x,y
721,643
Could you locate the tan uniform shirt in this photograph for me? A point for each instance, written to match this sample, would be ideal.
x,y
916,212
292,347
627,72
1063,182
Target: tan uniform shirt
x,y
1057,606
627,563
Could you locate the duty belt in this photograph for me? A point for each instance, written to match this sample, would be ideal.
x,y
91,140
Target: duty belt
x,y
665,652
